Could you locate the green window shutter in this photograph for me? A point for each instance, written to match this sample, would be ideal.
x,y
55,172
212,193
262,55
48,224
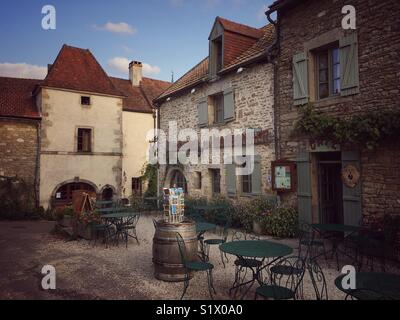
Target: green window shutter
x,y
349,65
229,104
202,109
230,170
256,176
300,79
352,211
304,194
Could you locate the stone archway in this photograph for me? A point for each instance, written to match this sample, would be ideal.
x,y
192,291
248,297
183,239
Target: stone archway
x,y
107,193
62,193
176,178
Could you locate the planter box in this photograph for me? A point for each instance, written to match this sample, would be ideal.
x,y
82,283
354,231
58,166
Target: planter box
x,y
67,222
84,231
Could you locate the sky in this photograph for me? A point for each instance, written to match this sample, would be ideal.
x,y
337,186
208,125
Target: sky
x,y
166,35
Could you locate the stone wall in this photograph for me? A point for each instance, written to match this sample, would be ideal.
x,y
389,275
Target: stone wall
x,y
18,149
253,92
378,29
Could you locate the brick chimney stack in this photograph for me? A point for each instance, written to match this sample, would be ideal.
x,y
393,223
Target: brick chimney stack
x,y
135,73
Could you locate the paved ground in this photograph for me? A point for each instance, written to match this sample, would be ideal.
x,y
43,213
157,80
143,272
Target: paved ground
x,y
87,272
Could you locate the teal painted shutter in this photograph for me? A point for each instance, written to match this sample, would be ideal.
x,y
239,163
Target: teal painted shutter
x,y
231,179
300,79
351,196
203,112
349,65
256,176
229,104
304,186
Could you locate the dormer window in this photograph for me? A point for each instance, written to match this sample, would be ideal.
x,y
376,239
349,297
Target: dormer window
x,y
85,101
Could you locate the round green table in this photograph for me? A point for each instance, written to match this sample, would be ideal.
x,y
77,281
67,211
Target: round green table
x,y
256,250
373,286
119,219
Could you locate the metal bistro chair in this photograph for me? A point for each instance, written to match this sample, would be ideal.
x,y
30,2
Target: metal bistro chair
x,y
284,285
318,279
307,239
129,229
223,223
194,267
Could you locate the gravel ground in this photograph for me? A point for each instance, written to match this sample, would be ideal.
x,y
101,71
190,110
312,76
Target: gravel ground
x,y
88,272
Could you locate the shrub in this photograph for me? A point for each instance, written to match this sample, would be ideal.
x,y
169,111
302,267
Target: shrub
x,y
281,222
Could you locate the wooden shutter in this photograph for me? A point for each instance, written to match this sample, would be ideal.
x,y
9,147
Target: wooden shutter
x,y
349,65
304,194
230,170
300,79
256,176
351,196
203,112
229,105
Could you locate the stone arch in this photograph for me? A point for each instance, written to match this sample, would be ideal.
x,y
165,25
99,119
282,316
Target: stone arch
x,y
81,182
104,189
175,175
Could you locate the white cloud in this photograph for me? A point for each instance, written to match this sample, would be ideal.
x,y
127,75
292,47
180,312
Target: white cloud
x,y
121,27
121,65
22,70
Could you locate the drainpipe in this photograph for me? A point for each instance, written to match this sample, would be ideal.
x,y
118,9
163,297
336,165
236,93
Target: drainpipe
x,y
37,165
156,117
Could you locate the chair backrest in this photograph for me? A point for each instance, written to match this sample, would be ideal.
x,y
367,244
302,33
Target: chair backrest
x,y
290,280
318,279
155,223
182,248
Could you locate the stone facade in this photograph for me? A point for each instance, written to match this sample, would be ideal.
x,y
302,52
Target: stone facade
x,y
253,101
312,23
19,148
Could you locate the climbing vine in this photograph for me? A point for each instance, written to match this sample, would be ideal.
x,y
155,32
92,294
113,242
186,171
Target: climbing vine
x,y
365,130
149,174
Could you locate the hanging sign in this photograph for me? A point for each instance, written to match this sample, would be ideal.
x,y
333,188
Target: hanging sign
x,y
351,176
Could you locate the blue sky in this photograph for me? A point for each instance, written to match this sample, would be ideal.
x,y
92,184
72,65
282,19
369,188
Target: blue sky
x,y
165,34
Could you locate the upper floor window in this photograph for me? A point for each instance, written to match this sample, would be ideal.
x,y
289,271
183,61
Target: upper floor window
x,y
328,72
85,101
218,104
137,186
84,140
247,183
216,181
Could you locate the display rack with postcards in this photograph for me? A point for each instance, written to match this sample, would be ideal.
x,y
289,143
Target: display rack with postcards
x,y
174,205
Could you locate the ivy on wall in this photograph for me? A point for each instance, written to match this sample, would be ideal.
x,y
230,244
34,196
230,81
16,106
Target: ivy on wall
x,y
365,130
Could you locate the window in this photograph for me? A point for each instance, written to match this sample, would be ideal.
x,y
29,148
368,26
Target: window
x,y
218,103
84,140
328,72
198,182
247,183
137,186
85,101
216,181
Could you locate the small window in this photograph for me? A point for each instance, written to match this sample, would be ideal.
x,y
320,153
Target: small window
x,y
198,181
328,72
137,186
84,140
85,101
247,183
218,104
216,181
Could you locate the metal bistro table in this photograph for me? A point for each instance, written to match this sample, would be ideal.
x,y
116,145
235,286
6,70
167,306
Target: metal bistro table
x,y
201,229
373,286
117,220
330,232
255,249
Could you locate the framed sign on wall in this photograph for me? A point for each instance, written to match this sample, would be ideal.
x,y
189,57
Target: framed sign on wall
x,y
284,176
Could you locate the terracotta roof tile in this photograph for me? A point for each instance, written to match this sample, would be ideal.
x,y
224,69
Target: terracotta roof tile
x,y
240,28
77,69
16,99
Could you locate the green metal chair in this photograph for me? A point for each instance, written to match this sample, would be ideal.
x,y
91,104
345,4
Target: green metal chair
x,y
129,229
223,224
307,239
285,279
194,266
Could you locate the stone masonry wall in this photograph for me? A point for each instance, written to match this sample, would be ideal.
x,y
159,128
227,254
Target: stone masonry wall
x,y
378,29
18,149
253,108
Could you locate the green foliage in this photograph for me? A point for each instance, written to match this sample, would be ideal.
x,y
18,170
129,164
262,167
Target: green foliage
x,y
365,130
281,222
149,174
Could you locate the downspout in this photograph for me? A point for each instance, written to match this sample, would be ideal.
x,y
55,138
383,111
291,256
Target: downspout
x,y
37,168
273,52
156,117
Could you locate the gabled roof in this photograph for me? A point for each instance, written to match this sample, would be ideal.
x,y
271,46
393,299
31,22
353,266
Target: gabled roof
x,y
77,69
200,73
239,28
139,99
16,99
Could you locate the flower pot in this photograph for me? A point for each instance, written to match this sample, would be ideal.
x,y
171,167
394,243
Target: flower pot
x,y
84,231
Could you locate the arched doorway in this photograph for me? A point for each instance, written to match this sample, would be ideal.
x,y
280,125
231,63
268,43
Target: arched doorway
x,y
63,193
178,180
107,194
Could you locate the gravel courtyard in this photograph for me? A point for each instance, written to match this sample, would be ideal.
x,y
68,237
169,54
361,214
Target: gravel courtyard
x,y
88,272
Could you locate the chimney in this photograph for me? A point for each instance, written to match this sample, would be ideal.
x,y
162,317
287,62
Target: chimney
x,y
135,73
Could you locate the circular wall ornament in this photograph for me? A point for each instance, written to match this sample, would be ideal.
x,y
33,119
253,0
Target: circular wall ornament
x,y
351,176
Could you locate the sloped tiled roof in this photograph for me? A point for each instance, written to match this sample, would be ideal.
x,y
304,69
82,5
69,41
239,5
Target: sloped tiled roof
x,y
77,69
200,72
240,28
139,99
16,99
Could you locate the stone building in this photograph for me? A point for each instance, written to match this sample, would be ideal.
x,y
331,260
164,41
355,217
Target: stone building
x,y
230,89
342,73
92,131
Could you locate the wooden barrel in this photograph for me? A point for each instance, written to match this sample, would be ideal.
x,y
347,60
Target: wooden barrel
x,y
166,256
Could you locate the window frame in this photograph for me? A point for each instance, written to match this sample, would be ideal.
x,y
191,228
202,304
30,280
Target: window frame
x,y
86,104
137,187
214,174
78,137
218,104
